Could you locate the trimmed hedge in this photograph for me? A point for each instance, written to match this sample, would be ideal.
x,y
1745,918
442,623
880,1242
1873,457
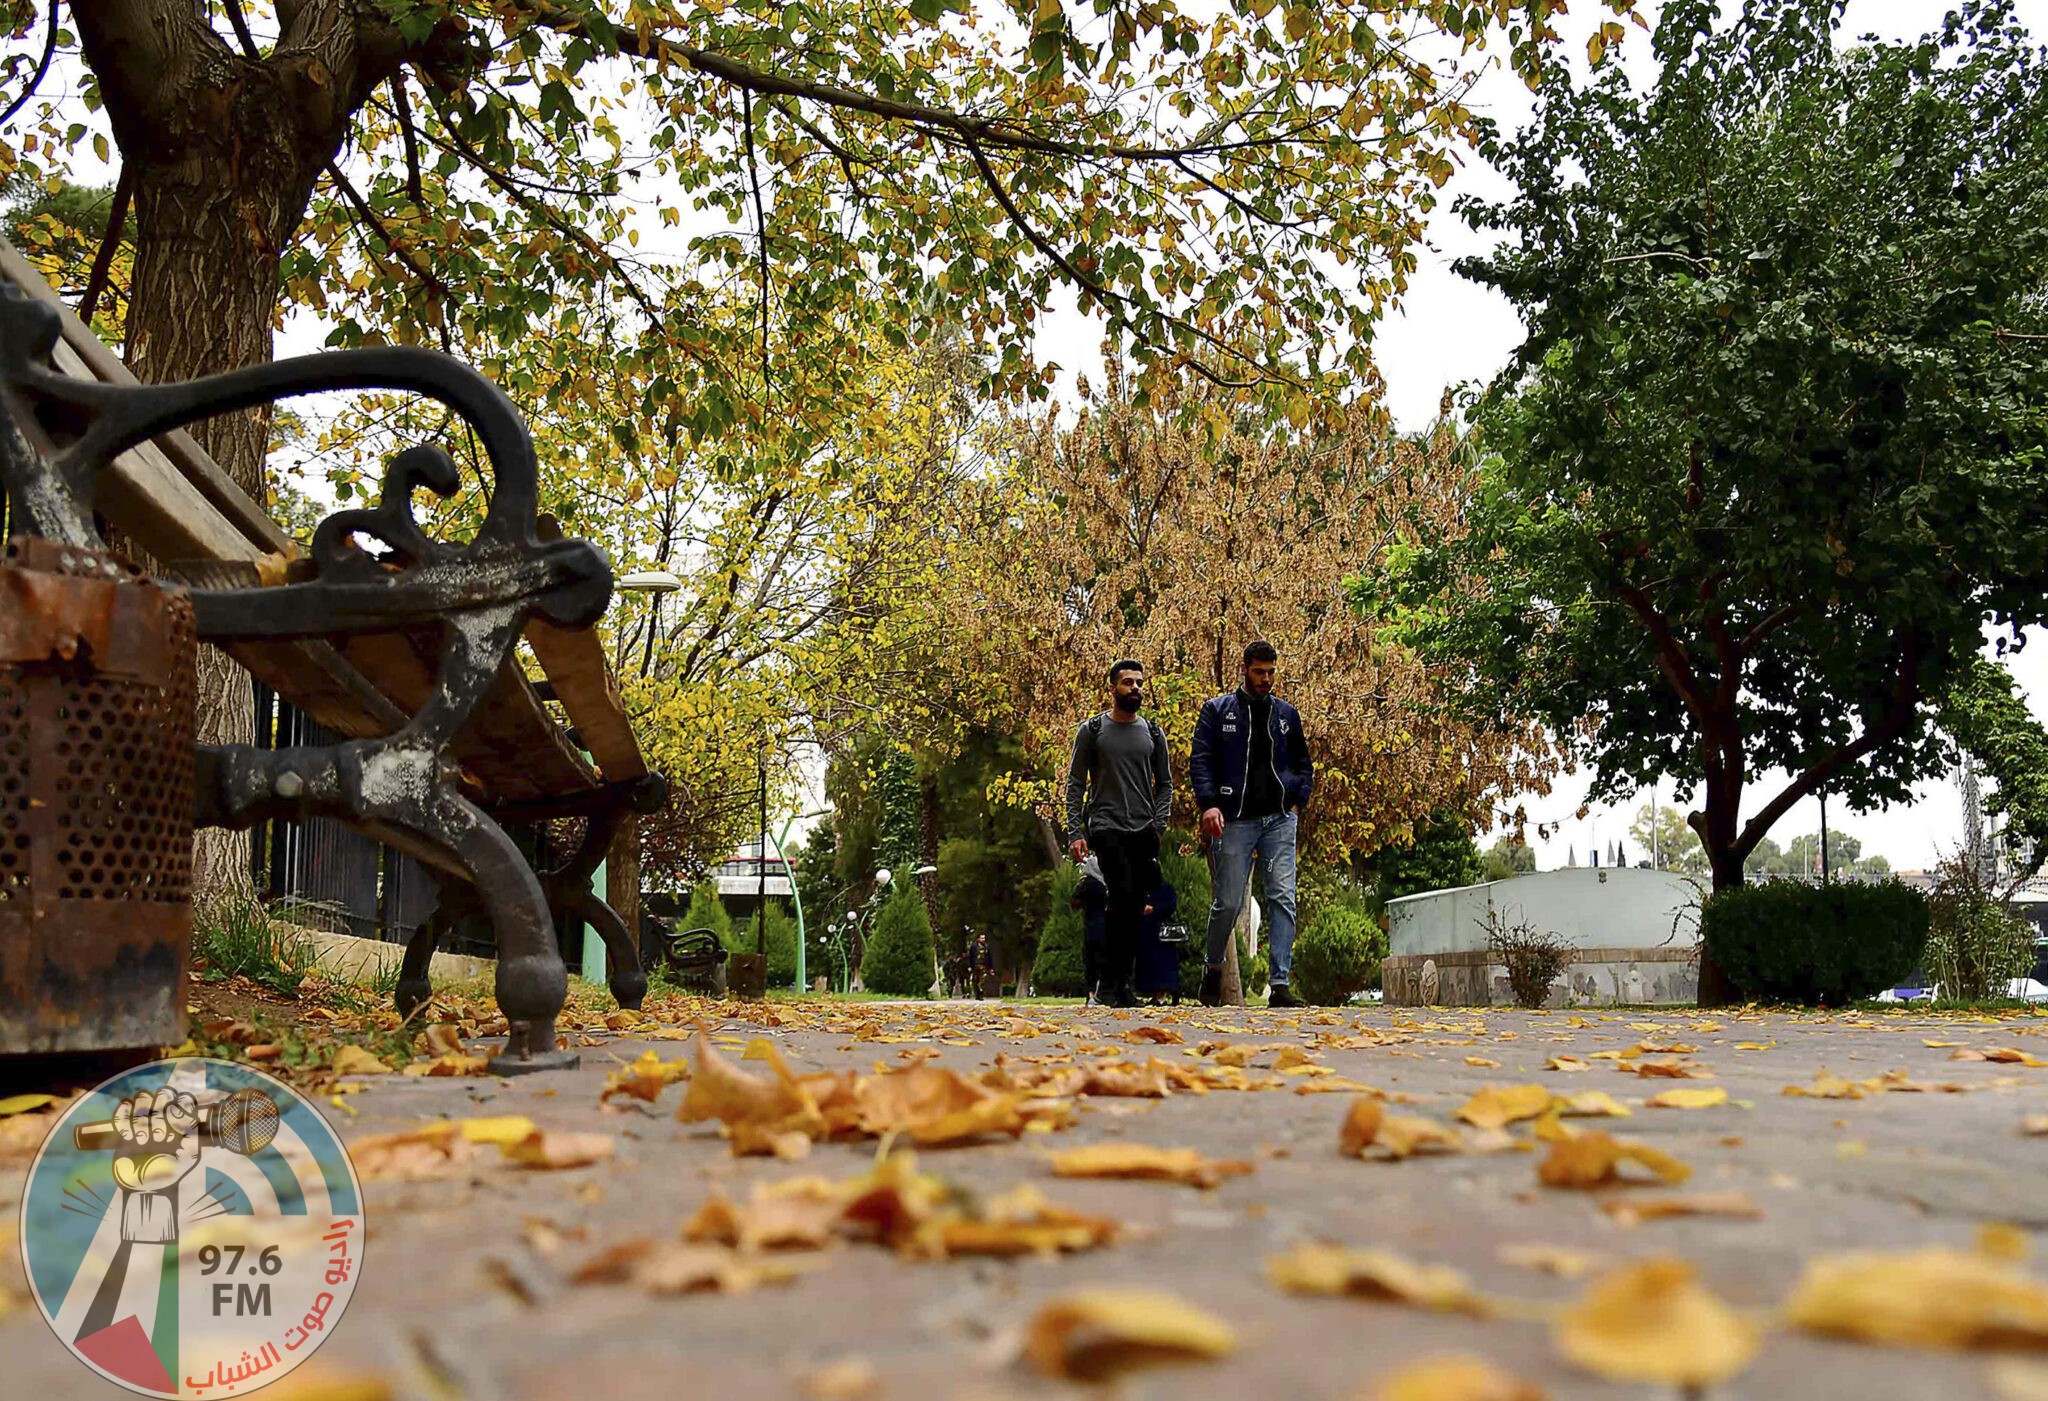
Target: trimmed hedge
x,y
1786,941
899,959
1337,954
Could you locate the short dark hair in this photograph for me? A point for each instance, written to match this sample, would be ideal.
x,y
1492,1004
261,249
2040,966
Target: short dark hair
x,y
1260,651
1127,664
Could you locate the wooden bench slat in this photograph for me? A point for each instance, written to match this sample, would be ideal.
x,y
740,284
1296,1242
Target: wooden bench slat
x,y
162,505
510,746
174,502
575,665
516,749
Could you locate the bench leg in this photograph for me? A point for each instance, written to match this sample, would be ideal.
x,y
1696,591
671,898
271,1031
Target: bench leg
x,y
415,987
403,794
624,975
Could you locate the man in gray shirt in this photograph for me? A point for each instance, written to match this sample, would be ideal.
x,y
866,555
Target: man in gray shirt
x,y
1119,799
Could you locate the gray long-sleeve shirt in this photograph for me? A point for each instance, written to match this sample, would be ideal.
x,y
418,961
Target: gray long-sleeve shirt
x,y
1132,787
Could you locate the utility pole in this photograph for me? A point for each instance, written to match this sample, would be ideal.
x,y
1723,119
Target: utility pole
x,y
761,870
1823,834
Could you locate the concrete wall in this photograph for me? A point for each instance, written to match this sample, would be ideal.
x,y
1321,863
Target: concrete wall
x,y
359,960
1634,930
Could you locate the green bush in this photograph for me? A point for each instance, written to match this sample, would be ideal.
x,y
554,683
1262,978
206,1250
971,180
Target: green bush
x,y
1786,941
1057,971
739,937
1337,954
707,911
898,959
1976,944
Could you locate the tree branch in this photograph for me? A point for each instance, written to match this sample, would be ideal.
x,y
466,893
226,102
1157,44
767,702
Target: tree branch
x,y
103,260
42,69
1671,658
546,215
240,23
1770,623
1108,296
401,105
427,279
1888,727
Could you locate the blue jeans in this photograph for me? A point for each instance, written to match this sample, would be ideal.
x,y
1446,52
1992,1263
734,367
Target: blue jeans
x,y
1272,838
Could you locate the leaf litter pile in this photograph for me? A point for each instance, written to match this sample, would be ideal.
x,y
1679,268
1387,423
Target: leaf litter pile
x,y
1512,1095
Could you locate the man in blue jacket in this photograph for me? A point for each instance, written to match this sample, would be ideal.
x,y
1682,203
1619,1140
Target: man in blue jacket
x,y
1252,776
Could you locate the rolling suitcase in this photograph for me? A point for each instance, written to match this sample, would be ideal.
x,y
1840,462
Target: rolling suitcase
x,y
1161,943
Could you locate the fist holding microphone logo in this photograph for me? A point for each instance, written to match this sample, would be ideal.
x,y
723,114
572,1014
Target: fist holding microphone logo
x,y
192,1228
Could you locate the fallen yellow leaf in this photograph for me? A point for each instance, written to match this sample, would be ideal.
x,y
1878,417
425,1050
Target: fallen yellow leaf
x,y
1096,1334
1483,1062
1141,1160
1367,1125
668,1267
1570,1064
644,1079
545,1149
1372,1274
1559,1260
848,1379
1688,1099
1456,1379
2013,1380
1496,1106
798,1214
511,1128
1633,1210
1593,1104
1593,1159
1652,1322
1937,1298
354,1060
21,1104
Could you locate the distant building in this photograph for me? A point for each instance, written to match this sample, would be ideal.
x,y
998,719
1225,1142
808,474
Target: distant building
x,y
739,876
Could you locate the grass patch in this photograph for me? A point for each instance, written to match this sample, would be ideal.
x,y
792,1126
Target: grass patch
x,y
235,937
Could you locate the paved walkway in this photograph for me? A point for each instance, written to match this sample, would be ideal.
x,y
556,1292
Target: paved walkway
x,y
466,1291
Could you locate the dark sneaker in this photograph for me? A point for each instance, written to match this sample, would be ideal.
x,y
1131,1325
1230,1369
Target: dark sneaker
x,y
1121,996
1280,995
1212,987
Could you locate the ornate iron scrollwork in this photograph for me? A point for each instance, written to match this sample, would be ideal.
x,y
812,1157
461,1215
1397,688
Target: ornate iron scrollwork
x,y
58,434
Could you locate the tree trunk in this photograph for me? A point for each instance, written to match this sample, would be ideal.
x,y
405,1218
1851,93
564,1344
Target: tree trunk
x,y
1233,977
224,150
928,843
211,226
1715,989
622,880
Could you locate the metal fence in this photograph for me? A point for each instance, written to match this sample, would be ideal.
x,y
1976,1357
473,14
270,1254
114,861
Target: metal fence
x,y
325,876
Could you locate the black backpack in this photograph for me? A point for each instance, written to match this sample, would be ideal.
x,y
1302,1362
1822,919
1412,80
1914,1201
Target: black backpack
x,y
1093,729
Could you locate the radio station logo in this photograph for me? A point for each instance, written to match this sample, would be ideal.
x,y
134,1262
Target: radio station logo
x,y
192,1228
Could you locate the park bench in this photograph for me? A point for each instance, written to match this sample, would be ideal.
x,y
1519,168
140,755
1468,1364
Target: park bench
x,y
409,653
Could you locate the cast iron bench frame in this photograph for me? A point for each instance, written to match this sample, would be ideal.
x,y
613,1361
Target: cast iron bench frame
x,y
340,630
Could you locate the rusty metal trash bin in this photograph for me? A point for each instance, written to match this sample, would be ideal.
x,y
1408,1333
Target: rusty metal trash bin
x,y
97,670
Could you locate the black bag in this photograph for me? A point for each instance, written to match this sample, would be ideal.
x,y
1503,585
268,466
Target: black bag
x,y
1160,947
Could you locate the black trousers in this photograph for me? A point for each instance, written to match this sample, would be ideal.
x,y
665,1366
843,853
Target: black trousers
x,y
1130,868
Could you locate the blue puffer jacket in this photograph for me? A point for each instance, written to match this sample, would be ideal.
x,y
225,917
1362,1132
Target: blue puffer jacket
x,y
1220,763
